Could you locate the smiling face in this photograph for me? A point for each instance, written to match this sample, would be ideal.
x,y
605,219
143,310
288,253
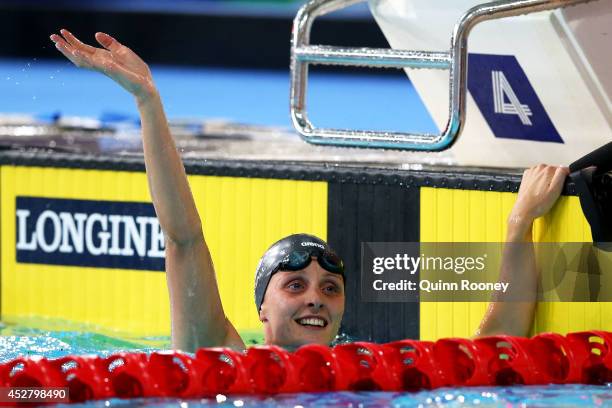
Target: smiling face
x,y
303,307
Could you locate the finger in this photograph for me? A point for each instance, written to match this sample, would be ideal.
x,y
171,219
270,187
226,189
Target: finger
x,y
83,60
68,51
527,172
59,41
108,42
558,179
76,43
551,170
62,47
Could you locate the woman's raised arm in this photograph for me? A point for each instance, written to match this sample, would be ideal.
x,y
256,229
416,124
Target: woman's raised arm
x,y
198,319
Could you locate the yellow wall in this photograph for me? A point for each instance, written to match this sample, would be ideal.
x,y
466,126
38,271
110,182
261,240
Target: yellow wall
x,y
241,217
449,215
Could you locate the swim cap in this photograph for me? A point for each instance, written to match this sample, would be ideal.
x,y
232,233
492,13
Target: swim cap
x,y
294,253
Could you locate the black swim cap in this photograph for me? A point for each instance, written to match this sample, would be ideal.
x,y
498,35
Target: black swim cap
x,y
293,253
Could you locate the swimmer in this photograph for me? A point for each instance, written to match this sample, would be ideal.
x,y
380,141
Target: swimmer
x,y
300,280
299,284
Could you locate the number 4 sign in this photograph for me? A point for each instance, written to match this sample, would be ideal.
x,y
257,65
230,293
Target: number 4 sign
x,y
507,99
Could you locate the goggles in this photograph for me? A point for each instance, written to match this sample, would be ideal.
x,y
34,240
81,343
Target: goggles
x,y
300,259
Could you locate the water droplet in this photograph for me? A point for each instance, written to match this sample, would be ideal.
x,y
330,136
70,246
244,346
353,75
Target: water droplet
x,y
8,78
51,77
34,98
16,83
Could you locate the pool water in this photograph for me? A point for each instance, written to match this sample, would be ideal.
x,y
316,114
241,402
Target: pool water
x,y
52,339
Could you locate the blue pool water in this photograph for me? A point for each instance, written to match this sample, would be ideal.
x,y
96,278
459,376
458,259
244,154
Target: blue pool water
x,y
23,340
44,87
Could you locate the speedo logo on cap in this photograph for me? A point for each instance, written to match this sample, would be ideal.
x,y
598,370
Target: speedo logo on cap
x,y
306,244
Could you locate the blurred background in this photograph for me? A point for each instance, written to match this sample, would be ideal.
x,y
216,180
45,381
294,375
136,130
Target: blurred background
x,y
218,59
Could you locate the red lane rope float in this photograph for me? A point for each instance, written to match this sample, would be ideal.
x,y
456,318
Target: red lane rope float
x,y
406,365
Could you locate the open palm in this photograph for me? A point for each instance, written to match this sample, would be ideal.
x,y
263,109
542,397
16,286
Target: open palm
x,y
114,60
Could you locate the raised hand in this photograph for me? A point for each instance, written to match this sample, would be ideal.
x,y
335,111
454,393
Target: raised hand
x,y
115,60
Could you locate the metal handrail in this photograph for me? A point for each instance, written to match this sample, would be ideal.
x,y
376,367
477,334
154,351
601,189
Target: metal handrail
x,y
455,60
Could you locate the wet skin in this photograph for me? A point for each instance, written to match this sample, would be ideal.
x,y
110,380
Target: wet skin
x,y
311,293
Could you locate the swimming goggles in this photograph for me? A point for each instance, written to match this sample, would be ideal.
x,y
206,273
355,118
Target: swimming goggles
x,y
300,259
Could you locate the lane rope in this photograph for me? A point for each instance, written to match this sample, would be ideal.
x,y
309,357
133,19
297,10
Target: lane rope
x,y
405,365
